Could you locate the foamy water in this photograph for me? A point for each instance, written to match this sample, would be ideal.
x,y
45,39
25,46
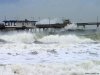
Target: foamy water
x,y
31,48
89,67
27,53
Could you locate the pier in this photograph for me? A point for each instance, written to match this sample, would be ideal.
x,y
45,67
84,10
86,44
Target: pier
x,y
30,25
88,23
33,25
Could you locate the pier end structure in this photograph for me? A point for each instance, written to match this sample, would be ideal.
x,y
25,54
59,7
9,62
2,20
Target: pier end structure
x,y
88,23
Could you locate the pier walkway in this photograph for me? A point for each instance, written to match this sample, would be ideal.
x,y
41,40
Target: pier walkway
x,y
88,23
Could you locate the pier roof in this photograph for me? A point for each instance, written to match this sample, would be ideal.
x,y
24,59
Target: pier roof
x,y
18,21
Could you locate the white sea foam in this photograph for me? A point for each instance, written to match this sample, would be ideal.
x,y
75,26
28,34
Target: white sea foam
x,y
49,48
43,54
88,67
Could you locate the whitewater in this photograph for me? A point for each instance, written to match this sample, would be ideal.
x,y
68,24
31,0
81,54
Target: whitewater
x,y
43,53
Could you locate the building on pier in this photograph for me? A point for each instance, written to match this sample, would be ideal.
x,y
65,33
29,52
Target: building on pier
x,y
19,23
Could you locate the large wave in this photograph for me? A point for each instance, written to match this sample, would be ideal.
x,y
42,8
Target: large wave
x,y
21,37
28,37
67,39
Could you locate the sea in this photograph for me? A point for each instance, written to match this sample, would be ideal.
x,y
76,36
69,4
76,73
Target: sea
x,y
67,51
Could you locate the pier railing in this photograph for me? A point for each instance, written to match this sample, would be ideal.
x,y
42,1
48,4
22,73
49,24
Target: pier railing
x,y
88,23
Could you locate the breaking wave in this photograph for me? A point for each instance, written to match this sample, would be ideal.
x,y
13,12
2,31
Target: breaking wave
x,y
67,39
21,37
28,37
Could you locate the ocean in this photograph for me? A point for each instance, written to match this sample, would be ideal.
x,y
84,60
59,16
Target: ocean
x,y
61,52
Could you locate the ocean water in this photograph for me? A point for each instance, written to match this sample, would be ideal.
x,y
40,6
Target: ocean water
x,y
63,52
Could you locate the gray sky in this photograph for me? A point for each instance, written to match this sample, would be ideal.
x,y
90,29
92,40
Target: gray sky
x,y
76,10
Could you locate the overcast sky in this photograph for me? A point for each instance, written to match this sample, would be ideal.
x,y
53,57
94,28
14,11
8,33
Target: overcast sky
x,y
76,10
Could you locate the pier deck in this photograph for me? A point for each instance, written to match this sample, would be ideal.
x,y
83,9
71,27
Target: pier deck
x,y
88,23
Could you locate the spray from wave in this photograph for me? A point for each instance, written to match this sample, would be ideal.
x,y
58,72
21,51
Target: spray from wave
x,y
72,26
51,21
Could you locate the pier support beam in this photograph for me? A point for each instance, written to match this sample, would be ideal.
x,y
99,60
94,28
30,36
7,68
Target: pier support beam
x,y
84,26
97,25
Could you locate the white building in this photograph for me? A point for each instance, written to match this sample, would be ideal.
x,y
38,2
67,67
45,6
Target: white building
x,y
19,23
